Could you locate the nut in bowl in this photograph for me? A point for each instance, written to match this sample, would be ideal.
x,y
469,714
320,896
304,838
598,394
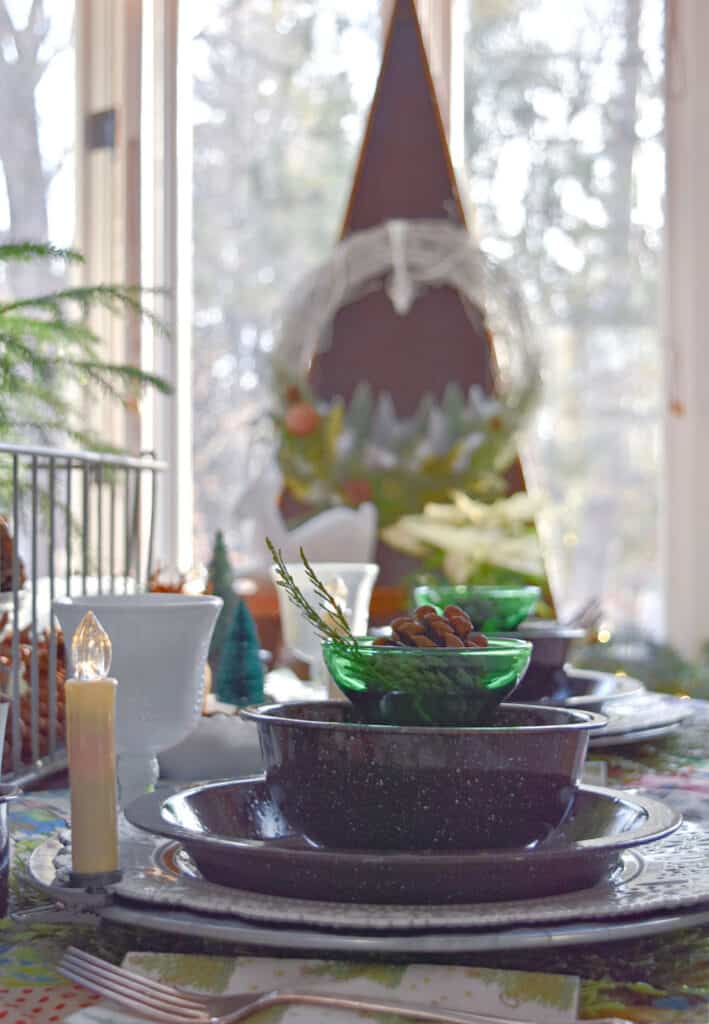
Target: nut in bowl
x,y
435,686
491,608
433,670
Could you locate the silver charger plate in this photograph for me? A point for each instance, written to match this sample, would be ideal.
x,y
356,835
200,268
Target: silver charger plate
x,y
300,940
228,928
665,877
648,716
670,874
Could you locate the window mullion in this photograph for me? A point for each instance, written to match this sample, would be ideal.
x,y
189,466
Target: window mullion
x,y
166,207
686,482
108,229
436,18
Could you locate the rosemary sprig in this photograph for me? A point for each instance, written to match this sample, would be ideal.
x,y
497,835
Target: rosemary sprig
x,y
332,624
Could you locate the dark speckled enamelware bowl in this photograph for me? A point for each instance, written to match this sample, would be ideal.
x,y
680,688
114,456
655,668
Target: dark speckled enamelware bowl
x,y
551,642
343,783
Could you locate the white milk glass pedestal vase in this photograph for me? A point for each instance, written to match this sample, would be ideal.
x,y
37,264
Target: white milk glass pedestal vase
x,y
351,584
160,644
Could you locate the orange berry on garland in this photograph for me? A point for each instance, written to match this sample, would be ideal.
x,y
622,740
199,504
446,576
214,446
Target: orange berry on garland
x,y
302,419
356,491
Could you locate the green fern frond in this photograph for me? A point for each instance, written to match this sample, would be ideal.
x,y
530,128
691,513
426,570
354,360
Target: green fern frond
x,y
44,330
128,374
114,298
25,252
47,347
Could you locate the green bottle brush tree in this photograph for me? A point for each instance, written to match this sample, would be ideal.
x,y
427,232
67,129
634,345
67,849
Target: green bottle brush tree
x,y
234,649
240,674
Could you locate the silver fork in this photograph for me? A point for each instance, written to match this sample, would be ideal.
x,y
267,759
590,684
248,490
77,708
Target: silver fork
x,y
159,1002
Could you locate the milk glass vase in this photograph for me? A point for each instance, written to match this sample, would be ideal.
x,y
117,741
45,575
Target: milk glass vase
x,y
351,585
160,644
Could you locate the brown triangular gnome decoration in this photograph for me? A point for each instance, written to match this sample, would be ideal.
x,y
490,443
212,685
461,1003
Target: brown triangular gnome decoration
x,y
404,167
384,349
404,172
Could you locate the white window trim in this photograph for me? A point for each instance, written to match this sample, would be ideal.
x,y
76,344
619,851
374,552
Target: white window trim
x,y
107,75
166,263
685,517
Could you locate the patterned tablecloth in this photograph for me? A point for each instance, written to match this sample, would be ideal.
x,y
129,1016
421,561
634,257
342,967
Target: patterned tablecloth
x,y
652,980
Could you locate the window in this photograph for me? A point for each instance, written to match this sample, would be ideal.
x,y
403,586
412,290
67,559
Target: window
x,y
37,114
560,129
564,159
280,94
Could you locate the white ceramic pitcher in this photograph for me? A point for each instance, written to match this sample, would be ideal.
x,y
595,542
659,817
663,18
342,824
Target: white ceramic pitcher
x,y
352,583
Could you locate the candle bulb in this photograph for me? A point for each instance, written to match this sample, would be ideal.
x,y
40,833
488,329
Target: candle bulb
x,y
90,720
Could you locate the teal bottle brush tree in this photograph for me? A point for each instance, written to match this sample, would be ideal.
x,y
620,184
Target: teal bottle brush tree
x,y
234,650
240,674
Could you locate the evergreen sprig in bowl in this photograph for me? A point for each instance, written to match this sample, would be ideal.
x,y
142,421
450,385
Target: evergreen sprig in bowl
x,y
441,686
491,608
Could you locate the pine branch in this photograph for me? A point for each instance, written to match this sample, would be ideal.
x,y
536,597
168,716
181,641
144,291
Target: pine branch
x,y
111,297
132,375
47,343
23,252
328,603
325,629
25,322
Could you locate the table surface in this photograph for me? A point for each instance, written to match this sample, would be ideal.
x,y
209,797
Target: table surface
x,y
651,980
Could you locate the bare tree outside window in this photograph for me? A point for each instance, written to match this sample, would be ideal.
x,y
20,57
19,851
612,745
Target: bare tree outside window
x,y
37,115
564,159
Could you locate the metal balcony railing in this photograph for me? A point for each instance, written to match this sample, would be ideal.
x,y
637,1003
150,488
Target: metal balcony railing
x,y
81,523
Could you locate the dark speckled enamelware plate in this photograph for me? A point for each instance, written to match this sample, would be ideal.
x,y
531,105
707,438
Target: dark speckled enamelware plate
x,y
237,837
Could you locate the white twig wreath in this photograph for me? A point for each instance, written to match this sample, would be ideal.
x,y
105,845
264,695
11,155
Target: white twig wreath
x,y
335,452
406,257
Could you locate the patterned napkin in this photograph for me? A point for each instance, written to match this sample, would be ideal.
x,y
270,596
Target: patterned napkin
x,y
548,998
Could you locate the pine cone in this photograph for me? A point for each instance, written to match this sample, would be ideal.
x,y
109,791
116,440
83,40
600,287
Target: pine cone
x,y
428,629
6,553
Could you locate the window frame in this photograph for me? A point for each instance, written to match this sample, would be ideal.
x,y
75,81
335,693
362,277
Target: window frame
x,y
166,264
685,486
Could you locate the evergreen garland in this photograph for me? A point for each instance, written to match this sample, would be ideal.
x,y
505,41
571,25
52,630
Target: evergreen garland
x,y
240,675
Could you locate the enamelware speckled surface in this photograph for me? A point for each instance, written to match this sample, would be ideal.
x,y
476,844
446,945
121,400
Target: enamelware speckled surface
x,y
551,643
237,838
343,783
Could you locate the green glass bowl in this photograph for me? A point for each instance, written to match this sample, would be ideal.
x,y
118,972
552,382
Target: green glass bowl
x,y
425,686
491,608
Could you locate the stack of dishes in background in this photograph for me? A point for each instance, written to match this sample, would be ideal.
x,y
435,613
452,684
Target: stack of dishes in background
x,y
634,714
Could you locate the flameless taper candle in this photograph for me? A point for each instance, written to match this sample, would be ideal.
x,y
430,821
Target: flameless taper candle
x,y
90,720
